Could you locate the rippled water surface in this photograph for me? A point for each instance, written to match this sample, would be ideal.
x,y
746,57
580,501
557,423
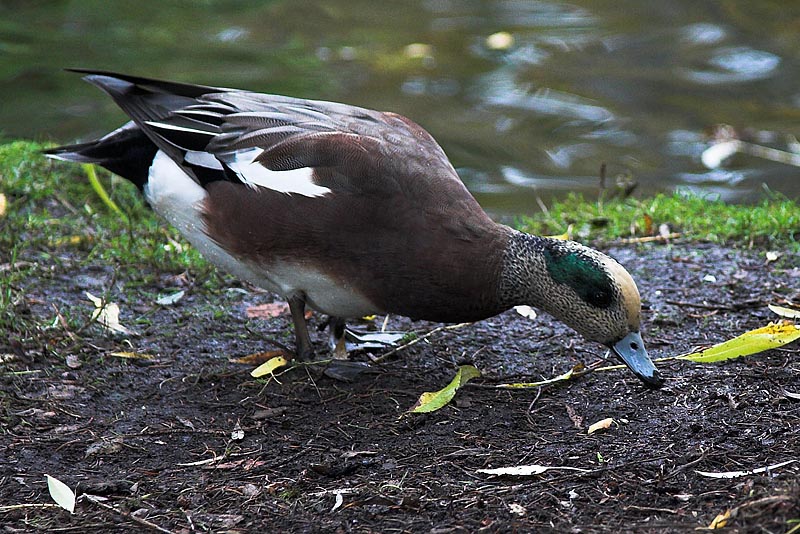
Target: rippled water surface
x,y
528,98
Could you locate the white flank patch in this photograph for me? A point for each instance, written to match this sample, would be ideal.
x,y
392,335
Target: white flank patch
x,y
173,193
179,199
296,181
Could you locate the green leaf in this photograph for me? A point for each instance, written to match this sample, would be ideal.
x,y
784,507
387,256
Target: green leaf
x,y
430,401
772,336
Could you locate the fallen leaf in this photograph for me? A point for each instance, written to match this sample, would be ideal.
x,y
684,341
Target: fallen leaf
x,y
267,311
603,424
517,509
339,501
648,224
3,204
720,521
790,395
61,494
104,447
527,470
788,313
259,357
738,474
73,361
269,367
430,401
578,368
525,311
107,314
768,337
169,300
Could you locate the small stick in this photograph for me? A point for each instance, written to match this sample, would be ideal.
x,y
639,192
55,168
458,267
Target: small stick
x,y
421,338
126,515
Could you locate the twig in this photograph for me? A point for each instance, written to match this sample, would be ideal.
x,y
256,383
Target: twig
x,y
143,522
420,338
12,507
715,307
650,238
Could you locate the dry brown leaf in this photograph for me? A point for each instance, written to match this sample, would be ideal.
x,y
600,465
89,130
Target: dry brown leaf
x,y
267,311
259,357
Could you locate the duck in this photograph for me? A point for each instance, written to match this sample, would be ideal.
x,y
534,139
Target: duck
x,y
348,211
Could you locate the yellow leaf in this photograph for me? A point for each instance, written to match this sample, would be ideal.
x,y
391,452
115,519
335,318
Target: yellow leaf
x,y
721,520
269,367
3,204
579,367
563,237
430,401
772,336
603,424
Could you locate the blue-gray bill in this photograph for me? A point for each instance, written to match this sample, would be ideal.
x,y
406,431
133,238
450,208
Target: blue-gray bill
x,y
630,350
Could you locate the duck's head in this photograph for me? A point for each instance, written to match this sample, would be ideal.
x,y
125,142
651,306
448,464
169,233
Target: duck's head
x,y
585,289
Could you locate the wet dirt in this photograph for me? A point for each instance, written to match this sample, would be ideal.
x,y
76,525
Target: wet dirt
x,y
188,442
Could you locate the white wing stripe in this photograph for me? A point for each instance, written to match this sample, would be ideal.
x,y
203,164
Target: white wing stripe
x,y
295,181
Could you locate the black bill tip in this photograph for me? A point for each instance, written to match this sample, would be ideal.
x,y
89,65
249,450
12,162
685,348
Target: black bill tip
x,y
630,349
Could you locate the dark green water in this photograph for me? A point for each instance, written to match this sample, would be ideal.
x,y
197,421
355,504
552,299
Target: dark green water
x,y
632,83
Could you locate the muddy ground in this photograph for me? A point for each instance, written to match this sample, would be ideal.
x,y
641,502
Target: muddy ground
x,y
155,440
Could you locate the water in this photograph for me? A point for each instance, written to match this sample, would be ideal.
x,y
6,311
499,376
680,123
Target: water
x,y
528,98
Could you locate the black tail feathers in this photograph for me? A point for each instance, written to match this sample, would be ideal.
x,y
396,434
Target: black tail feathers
x,y
126,152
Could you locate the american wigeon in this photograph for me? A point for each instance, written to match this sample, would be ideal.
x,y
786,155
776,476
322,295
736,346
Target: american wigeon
x,y
349,211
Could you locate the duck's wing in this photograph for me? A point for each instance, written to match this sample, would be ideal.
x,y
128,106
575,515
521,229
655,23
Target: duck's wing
x,y
225,134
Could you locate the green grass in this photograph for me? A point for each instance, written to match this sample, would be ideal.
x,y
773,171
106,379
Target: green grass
x,y
772,222
52,209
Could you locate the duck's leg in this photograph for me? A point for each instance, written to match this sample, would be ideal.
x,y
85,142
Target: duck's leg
x,y
303,347
337,337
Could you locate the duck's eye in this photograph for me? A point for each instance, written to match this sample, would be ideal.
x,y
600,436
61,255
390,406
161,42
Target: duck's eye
x,y
600,298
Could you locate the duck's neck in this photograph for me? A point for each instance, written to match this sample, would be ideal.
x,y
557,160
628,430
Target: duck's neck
x,y
524,278
553,274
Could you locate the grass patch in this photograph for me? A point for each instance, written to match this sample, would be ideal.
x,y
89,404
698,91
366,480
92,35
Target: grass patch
x,y
53,209
55,220
773,222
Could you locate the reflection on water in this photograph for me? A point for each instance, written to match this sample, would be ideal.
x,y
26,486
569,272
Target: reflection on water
x,y
528,98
